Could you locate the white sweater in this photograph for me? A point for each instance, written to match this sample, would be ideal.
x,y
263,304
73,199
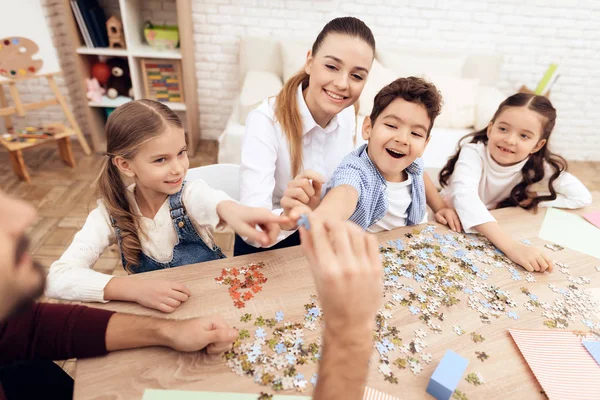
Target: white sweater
x,y
479,183
72,276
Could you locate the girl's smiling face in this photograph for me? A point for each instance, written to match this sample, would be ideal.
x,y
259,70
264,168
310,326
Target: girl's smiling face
x,y
515,135
161,163
338,73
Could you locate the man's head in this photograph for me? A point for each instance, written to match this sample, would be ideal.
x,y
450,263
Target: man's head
x,y
399,125
21,279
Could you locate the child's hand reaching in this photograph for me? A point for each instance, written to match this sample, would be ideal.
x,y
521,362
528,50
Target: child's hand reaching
x,y
448,216
245,220
305,190
157,294
530,258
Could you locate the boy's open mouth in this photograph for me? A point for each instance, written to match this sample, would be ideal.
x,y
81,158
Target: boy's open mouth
x,y
395,153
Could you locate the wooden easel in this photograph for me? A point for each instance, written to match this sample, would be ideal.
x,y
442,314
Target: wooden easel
x,y
60,133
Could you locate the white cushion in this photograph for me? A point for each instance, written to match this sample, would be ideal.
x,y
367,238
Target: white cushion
x,y
459,96
488,100
485,67
294,57
261,54
230,143
258,85
379,76
408,62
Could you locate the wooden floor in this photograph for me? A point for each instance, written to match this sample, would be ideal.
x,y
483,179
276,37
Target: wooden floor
x,y
64,197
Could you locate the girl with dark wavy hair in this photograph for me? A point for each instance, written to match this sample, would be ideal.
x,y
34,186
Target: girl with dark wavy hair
x,y
509,164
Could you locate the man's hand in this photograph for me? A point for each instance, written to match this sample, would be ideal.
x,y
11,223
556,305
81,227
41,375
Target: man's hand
x,y
348,274
347,270
126,331
195,334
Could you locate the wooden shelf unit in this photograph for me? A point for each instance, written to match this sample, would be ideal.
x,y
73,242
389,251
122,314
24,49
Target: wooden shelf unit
x,y
136,50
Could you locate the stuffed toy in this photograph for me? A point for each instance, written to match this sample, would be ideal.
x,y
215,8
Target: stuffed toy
x,y
94,90
119,82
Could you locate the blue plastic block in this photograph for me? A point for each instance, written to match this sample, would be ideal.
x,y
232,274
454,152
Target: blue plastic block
x,y
447,375
303,221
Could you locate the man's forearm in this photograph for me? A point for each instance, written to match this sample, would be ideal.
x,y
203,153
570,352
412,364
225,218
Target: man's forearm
x,y
126,331
344,365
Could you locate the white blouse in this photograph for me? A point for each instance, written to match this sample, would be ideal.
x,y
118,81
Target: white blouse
x,y
72,276
479,183
266,165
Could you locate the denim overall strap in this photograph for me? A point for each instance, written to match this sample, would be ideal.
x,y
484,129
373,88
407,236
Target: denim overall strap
x,y
190,249
145,263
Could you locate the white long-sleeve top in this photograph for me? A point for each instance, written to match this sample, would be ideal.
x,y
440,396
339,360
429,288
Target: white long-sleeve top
x,y
266,166
479,183
72,276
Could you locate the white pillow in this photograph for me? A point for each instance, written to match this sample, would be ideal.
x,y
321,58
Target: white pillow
x,y
261,54
459,97
294,57
488,99
418,63
258,85
379,76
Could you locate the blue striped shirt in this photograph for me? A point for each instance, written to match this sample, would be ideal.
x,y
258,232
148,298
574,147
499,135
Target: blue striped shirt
x,y
358,171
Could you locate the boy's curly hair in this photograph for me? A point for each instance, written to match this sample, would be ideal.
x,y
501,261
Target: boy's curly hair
x,y
414,90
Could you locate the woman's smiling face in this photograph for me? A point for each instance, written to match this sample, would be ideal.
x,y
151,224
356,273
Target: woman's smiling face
x,y
338,73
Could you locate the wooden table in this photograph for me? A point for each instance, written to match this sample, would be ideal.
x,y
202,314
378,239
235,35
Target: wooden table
x,y
125,374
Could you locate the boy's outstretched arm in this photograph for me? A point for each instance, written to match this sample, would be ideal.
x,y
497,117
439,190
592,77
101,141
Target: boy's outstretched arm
x,y
337,205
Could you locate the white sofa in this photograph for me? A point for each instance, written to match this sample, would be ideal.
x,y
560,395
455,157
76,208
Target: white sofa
x,y
467,83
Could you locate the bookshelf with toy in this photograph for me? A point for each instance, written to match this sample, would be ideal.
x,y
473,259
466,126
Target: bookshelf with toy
x,y
141,43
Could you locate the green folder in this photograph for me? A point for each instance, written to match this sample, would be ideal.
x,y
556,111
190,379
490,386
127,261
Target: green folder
x,y
572,231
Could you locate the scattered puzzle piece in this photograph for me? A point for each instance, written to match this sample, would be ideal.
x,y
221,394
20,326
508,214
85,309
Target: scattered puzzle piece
x,y
482,355
475,378
477,338
253,278
304,222
458,395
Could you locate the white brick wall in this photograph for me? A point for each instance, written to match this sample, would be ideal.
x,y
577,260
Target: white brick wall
x,y
529,33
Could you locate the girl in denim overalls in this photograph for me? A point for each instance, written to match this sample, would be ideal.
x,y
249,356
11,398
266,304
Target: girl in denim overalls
x,y
159,221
